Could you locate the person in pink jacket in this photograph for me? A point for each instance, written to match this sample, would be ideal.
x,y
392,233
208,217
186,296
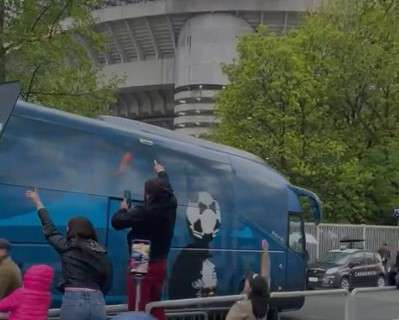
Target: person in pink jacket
x,y
31,302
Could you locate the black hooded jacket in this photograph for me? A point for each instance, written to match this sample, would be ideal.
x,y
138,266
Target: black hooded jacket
x,y
155,221
85,263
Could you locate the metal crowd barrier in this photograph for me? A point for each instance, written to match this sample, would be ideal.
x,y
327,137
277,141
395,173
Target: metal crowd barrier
x,y
232,299
199,308
168,304
381,305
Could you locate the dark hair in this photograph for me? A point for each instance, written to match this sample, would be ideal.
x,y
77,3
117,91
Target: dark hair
x,y
259,296
81,228
155,191
5,244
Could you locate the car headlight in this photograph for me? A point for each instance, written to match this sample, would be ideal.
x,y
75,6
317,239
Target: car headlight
x,y
332,270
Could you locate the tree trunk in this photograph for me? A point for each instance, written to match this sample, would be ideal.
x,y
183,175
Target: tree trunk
x,y
2,53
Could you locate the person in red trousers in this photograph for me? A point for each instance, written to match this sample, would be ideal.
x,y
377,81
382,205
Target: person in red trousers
x,y
154,222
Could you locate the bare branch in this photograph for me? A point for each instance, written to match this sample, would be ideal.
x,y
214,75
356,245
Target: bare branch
x,y
39,17
58,17
31,82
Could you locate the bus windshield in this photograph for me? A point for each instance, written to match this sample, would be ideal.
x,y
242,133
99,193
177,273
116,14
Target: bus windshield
x,y
9,93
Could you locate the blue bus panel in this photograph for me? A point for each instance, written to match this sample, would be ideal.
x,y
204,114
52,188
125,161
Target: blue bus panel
x,y
228,200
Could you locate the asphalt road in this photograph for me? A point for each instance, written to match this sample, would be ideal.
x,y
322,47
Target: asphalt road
x,y
370,306
319,308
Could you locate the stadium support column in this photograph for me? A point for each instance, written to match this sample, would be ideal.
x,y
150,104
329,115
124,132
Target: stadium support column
x,y
205,42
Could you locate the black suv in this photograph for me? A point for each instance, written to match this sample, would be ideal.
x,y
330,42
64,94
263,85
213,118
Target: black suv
x,y
347,269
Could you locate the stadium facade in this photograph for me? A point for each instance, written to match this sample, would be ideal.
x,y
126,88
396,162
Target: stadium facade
x,y
171,51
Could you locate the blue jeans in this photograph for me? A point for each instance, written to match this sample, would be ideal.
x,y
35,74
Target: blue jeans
x,y
83,305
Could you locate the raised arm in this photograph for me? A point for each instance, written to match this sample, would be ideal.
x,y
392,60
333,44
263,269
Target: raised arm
x,y
53,236
265,260
127,218
161,172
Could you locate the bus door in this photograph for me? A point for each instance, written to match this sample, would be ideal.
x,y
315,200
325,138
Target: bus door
x,y
296,253
296,258
118,253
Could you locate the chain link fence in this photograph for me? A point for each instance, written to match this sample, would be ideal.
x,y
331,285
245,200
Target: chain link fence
x,y
325,236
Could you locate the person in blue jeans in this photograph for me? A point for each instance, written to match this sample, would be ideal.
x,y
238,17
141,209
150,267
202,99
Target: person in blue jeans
x,y
133,316
86,268
82,304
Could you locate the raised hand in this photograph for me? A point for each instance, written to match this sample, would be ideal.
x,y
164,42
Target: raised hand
x,y
265,245
34,197
124,204
158,167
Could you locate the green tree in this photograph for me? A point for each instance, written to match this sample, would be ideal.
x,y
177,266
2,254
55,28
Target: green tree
x,y
48,46
321,104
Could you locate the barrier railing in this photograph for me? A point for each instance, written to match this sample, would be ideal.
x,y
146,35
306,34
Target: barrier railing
x,y
168,304
196,308
232,299
374,306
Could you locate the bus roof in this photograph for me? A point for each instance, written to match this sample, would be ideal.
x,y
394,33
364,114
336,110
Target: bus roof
x,y
128,126
124,123
114,125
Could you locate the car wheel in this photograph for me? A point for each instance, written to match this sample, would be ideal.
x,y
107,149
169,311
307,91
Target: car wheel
x,y
345,284
273,315
391,278
381,281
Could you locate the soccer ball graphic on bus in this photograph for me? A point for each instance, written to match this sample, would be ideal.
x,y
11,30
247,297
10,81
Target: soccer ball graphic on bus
x,y
204,218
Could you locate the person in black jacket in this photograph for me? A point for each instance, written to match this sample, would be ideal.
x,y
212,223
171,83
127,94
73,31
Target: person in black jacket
x,y
385,254
155,222
86,268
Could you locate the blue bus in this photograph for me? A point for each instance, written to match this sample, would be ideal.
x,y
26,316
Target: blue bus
x,y
229,200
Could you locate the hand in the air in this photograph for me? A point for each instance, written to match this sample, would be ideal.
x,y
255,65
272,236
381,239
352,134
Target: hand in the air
x,y
265,245
124,204
34,197
158,167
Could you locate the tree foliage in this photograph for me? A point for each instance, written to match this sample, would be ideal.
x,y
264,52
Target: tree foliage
x,y
48,46
321,104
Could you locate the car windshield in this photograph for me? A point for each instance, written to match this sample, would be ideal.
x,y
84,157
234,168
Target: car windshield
x,y
335,257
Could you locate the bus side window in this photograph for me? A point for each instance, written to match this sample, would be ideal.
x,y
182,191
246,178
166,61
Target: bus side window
x,y
38,153
122,163
261,202
213,178
175,164
210,206
54,156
